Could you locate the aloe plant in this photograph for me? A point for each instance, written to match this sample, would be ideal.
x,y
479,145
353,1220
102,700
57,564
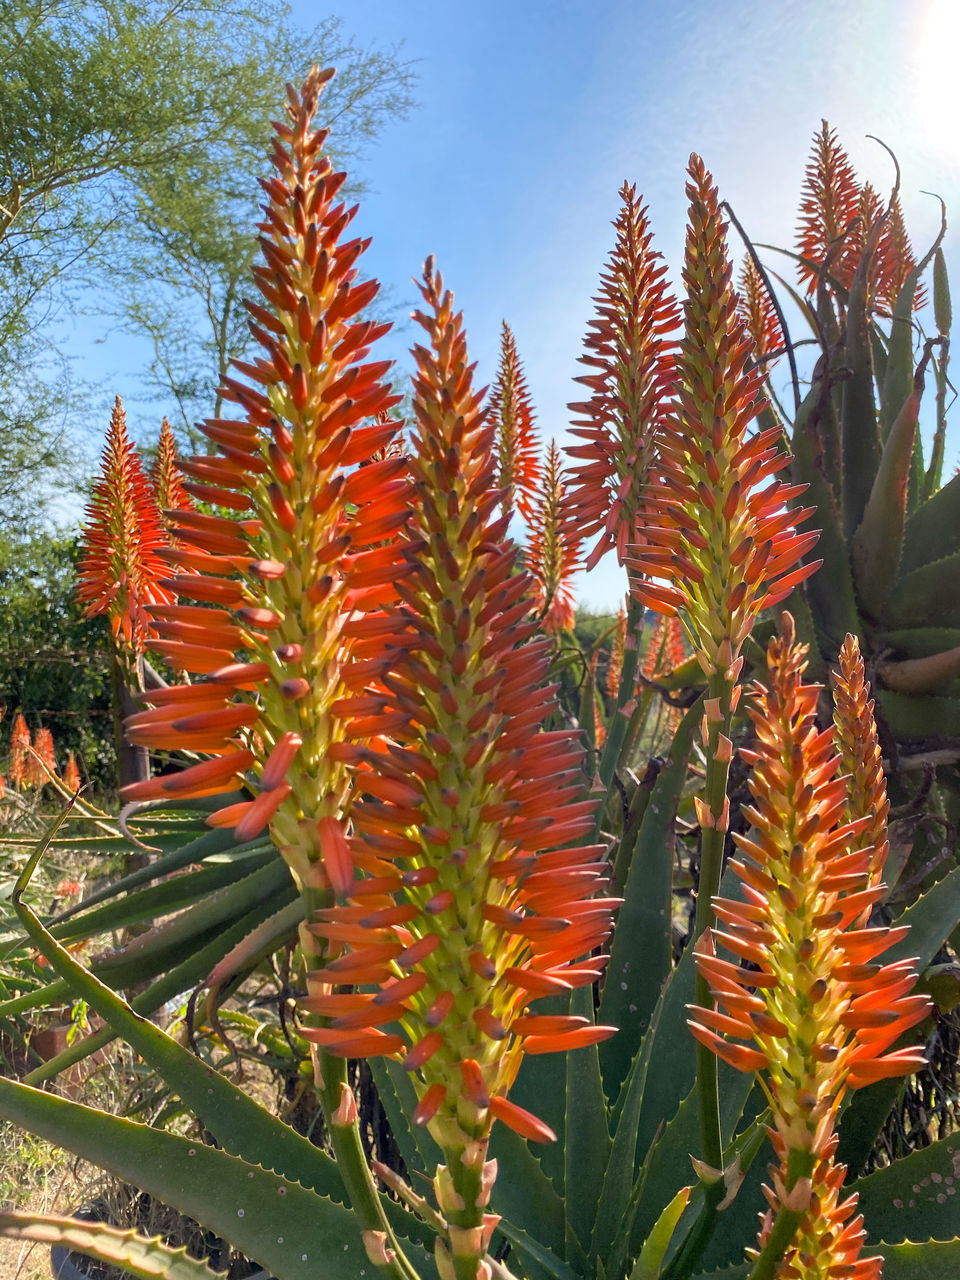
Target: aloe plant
x,y
410,809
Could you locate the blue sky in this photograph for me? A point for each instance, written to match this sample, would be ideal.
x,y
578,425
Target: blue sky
x,y
532,113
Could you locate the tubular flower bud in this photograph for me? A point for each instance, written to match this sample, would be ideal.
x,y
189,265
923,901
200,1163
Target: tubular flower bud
x,y
758,313
480,794
120,573
511,413
630,356
817,1019
167,483
553,554
723,544
294,585
861,763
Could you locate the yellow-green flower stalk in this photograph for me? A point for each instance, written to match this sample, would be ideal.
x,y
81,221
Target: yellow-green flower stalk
x,y
818,1014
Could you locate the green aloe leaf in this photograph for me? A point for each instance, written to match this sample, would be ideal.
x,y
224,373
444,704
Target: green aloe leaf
x,y
290,1230
919,642
398,1099
859,434
925,594
641,954
538,1262
174,937
933,530
932,918
617,1195
210,843
524,1195
138,1256
156,900
921,675
830,590
648,1264
878,541
929,1260
211,948
898,382
913,717
587,1141
918,1196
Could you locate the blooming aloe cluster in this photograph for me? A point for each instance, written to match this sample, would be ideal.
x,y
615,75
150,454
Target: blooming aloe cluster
x,y
366,707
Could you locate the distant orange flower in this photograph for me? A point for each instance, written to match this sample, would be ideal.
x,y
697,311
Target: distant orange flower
x,y
19,744
167,482
511,413
630,352
71,774
120,572
553,553
756,308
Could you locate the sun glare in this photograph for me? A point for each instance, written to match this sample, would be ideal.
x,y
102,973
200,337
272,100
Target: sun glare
x,y
935,94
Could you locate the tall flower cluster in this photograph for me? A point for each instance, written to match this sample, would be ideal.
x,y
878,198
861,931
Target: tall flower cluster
x,y
475,897
724,544
167,480
121,570
296,582
820,1015
553,553
837,214
631,356
511,412
758,313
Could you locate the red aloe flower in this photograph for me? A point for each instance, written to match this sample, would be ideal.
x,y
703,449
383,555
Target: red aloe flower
x,y
830,202
631,358
724,545
511,411
44,751
895,259
758,313
295,584
860,756
120,571
471,905
167,481
665,651
822,1017
19,746
553,554
71,774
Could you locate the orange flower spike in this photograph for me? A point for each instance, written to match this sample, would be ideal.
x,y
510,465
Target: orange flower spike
x,y
121,573
71,774
631,357
310,461
830,202
860,754
553,555
167,481
463,804
44,755
511,411
817,1023
19,745
759,314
